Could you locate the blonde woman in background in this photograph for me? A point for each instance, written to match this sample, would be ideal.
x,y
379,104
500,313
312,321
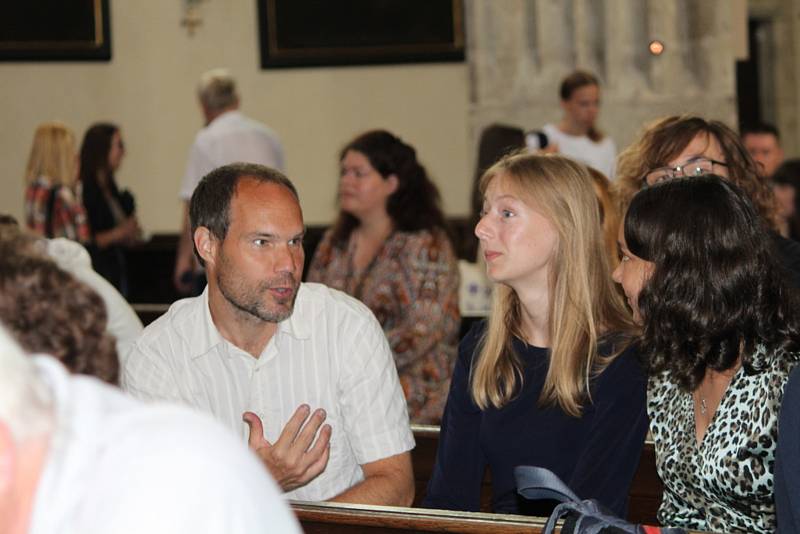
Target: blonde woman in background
x,y
52,201
541,383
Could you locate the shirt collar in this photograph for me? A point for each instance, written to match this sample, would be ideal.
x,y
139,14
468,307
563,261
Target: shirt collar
x,y
297,325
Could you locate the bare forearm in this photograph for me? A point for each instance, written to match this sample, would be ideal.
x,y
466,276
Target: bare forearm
x,y
386,490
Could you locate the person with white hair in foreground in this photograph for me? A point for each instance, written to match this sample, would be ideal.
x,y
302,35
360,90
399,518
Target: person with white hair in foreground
x,y
77,455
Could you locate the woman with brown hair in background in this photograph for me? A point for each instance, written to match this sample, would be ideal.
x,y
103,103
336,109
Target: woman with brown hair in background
x,y
577,135
389,249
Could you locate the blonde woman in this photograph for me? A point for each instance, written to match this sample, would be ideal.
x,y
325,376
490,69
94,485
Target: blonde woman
x,y
541,382
52,201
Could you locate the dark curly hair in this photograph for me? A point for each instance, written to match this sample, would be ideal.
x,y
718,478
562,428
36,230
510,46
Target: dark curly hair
x,y
47,310
716,290
415,205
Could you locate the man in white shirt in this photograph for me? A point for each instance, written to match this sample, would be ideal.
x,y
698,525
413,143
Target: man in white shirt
x,y
228,137
259,344
79,456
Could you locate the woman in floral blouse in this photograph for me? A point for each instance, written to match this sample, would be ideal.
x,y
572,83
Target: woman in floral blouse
x,y
389,248
52,201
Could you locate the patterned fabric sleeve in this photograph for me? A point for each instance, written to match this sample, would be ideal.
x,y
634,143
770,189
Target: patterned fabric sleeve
x,y
69,217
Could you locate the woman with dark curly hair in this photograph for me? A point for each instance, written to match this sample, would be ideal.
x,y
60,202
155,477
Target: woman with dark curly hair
x,y
389,249
49,311
719,336
111,213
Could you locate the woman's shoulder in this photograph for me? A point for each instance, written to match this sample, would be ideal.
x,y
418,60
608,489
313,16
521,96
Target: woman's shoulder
x,y
469,344
625,362
433,241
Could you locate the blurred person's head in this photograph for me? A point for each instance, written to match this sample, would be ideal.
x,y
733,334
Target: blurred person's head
x,y
380,176
785,185
496,141
580,101
764,145
217,93
53,155
688,145
49,311
102,151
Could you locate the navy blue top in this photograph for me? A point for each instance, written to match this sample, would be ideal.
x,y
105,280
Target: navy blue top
x,y
596,455
787,458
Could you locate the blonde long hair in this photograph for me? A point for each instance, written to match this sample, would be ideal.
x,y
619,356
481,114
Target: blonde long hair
x,y
53,155
583,301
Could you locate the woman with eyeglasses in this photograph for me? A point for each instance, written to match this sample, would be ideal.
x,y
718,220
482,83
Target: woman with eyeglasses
x,y
719,336
111,212
688,145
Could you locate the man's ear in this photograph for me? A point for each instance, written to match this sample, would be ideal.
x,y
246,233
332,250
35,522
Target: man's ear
x,y
205,244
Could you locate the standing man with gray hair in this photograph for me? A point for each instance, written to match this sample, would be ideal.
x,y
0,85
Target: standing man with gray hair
x,y
227,137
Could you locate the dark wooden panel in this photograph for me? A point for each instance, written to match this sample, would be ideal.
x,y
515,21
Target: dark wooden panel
x,y
645,492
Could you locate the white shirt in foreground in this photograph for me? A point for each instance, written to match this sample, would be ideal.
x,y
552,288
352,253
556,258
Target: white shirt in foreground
x,y
118,466
602,156
230,138
123,323
331,354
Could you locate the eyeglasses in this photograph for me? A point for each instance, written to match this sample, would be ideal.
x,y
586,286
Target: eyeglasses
x,y
694,167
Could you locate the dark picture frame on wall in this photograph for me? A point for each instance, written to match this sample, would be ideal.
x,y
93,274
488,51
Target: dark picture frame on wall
x,y
55,30
311,33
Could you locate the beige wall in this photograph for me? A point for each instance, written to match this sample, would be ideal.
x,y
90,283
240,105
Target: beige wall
x,y
148,88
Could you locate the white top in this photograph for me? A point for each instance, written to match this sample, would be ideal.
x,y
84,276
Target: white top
x,y
118,466
123,323
331,354
230,138
602,156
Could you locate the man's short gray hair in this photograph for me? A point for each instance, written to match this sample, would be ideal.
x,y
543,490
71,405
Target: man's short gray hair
x,y
217,90
26,405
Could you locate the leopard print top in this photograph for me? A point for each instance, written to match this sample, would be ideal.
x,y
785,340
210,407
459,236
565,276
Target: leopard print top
x,y
724,484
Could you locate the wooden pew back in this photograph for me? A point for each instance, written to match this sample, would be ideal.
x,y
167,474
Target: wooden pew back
x,y
325,518
644,496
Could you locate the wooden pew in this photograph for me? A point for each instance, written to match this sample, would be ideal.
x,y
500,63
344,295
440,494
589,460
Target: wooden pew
x,y
644,497
327,518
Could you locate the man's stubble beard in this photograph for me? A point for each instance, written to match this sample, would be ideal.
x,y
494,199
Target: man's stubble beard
x,y
251,301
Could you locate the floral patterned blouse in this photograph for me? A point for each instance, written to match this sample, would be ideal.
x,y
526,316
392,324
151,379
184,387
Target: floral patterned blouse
x,y
68,218
724,484
412,288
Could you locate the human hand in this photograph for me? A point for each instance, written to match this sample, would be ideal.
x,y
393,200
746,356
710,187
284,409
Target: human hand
x,y
293,461
129,231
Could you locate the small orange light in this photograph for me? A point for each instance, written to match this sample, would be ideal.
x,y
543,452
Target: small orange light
x,y
656,47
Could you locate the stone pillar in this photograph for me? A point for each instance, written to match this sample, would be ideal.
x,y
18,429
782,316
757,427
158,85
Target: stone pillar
x,y
519,50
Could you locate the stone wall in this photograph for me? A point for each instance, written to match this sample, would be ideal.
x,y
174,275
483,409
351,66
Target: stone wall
x,y
519,50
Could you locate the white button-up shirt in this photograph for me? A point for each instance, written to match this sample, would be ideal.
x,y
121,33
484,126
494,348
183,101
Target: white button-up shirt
x,y
331,354
230,138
